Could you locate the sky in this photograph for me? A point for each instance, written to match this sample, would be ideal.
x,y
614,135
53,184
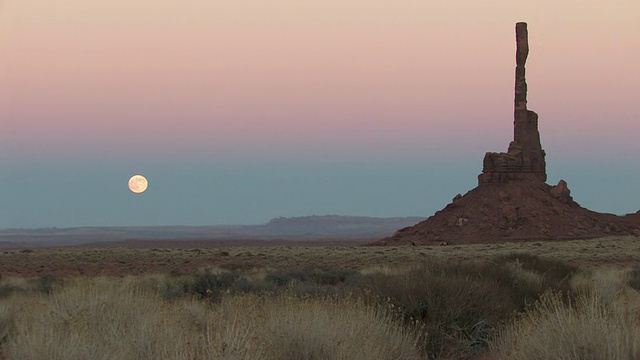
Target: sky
x,y
238,111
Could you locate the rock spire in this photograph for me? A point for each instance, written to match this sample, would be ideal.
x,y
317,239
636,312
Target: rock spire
x,y
512,201
525,158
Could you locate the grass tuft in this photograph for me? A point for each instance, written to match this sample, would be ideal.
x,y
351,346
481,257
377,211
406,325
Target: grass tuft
x,y
462,304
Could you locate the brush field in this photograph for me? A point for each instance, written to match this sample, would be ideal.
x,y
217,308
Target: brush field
x,y
184,257
536,300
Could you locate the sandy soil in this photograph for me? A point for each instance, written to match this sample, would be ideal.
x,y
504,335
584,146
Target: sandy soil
x,y
182,257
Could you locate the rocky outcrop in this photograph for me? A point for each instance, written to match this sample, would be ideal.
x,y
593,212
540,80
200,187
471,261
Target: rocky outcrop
x,y
512,201
524,158
514,211
562,193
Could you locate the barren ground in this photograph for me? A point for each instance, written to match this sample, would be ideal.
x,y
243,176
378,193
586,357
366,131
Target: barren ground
x,y
188,256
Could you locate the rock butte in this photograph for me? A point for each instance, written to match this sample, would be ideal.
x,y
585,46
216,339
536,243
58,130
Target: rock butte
x,y
512,201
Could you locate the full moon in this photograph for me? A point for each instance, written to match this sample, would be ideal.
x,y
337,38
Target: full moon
x,y
138,184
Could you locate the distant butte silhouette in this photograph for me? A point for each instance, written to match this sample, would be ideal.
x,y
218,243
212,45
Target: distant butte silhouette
x,y
512,201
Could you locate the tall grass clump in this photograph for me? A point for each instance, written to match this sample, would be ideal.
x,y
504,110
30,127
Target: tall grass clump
x,y
312,328
461,304
600,322
549,273
585,329
291,327
107,318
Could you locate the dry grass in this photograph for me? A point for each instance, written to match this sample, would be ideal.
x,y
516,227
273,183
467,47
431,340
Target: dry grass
x,y
100,319
337,329
601,323
462,303
105,318
294,302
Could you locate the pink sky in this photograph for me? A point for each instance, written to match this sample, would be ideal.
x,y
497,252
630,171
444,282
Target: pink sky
x,y
239,111
254,78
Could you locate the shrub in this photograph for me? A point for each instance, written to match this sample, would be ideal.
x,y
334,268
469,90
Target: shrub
x,y
175,287
45,284
634,278
454,307
554,273
462,303
6,290
318,282
286,277
323,276
318,276
210,285
6,323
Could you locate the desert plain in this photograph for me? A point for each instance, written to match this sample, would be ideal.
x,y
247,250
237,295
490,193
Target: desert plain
x,y
177,257
321,299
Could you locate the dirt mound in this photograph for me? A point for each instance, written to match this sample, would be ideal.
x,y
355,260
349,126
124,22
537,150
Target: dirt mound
x,y
512,201
523,210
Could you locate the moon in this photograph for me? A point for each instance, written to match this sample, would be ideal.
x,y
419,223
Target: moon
x,y
138,184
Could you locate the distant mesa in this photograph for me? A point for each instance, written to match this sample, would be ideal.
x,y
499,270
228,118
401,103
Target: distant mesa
x,y
512,201
327,229
336,225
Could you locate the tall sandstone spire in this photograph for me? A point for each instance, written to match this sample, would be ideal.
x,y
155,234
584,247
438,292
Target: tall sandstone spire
x,y
525,158
512,201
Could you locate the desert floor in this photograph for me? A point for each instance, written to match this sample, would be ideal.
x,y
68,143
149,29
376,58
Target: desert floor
x,y
184,257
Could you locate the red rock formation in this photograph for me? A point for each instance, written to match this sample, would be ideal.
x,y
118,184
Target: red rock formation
x,y
512,200
525,158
